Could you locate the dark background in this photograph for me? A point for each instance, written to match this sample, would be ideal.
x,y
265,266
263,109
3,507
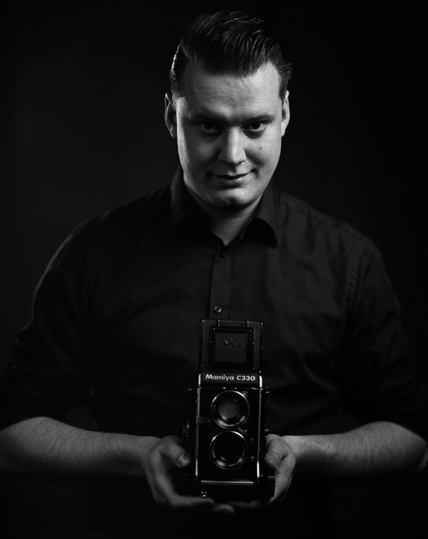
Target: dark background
x,y
82,131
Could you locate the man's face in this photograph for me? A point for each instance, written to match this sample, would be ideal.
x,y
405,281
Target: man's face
x,y
228,130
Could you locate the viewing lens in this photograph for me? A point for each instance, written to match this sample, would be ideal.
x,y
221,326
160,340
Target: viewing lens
x,y
230,408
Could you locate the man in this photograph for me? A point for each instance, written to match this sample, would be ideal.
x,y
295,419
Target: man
x,y
117,313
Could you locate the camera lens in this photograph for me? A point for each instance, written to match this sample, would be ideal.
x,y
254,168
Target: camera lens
x,y
230,408
229,449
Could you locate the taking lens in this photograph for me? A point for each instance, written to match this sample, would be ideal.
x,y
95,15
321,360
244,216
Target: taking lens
x,y
229,449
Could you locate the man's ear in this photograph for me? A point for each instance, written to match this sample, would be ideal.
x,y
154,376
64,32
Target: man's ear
x,y
170,116
285,113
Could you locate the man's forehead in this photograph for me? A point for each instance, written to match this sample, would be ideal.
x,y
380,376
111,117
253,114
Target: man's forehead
x,y
206,89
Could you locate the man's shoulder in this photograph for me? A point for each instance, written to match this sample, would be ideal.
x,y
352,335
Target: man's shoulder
x,y
308,232
128,221
301,218
112,236
135,213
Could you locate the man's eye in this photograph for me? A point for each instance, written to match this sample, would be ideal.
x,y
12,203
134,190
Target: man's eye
x,y
256,127
209,128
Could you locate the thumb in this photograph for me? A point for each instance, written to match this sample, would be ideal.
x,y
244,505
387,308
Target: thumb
x,y
280,457
174,451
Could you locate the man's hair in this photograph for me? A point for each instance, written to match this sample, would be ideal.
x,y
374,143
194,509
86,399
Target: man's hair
x,y
232,42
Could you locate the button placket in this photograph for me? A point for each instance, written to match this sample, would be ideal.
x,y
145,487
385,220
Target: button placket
x,y
220,284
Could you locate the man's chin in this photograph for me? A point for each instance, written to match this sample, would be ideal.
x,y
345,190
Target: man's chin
x,y
232,203
226,201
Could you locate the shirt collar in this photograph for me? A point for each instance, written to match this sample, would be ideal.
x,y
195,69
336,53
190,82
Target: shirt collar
x,y
184,208
182,204
268,212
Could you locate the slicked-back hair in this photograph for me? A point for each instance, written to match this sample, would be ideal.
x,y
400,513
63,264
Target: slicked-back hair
x,y
229,42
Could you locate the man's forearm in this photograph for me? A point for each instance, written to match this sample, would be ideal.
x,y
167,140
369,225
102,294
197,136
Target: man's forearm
x,y
44,447
379,449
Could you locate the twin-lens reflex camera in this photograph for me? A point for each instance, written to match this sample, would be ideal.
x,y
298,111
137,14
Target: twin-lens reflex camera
x,y
227,426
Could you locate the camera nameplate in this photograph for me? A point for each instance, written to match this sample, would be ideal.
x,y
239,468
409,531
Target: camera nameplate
x,y
231,378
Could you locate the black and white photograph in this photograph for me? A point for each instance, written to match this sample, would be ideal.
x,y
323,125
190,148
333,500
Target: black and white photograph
x,y
213,285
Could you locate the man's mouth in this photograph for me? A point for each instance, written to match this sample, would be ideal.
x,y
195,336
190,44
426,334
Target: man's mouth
x,y
231,177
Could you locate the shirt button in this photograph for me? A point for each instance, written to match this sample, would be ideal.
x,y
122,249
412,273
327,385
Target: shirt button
x,y
222,254
217,309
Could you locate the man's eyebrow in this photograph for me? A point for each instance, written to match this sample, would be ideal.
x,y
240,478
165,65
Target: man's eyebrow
x,y
218,118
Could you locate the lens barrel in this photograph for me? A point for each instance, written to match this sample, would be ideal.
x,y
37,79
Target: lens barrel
x,y
230,408
229,449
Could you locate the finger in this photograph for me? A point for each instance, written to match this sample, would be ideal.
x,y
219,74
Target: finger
x,y
279,457
193,504
249,506
165,493
283,478
169,455
164,462
222,509
276,449
281,460
172,449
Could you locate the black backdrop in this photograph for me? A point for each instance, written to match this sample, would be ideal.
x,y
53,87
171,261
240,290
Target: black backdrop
x,y
82,131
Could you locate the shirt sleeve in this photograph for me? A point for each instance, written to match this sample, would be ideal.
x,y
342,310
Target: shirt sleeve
x,y
377,371
47,374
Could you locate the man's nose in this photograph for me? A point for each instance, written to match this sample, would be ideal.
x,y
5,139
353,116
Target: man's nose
x,y
232,149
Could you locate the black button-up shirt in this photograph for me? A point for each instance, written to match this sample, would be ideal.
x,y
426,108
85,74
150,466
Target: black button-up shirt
x,y
116,318
117,314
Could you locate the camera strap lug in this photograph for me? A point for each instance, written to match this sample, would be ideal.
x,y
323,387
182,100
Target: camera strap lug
x,y
201,420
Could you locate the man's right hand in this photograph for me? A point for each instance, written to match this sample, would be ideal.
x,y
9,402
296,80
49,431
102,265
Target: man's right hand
x,y
164,460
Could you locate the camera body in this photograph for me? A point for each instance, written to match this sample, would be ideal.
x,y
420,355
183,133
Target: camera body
x,y
227,425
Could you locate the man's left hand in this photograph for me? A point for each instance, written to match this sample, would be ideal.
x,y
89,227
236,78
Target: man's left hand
x,y
281,460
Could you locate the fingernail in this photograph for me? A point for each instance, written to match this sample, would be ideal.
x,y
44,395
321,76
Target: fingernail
x,y
274,462
227,511
183,460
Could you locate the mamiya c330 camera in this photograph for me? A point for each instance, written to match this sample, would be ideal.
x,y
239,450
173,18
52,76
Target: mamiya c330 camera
x,y
227,425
